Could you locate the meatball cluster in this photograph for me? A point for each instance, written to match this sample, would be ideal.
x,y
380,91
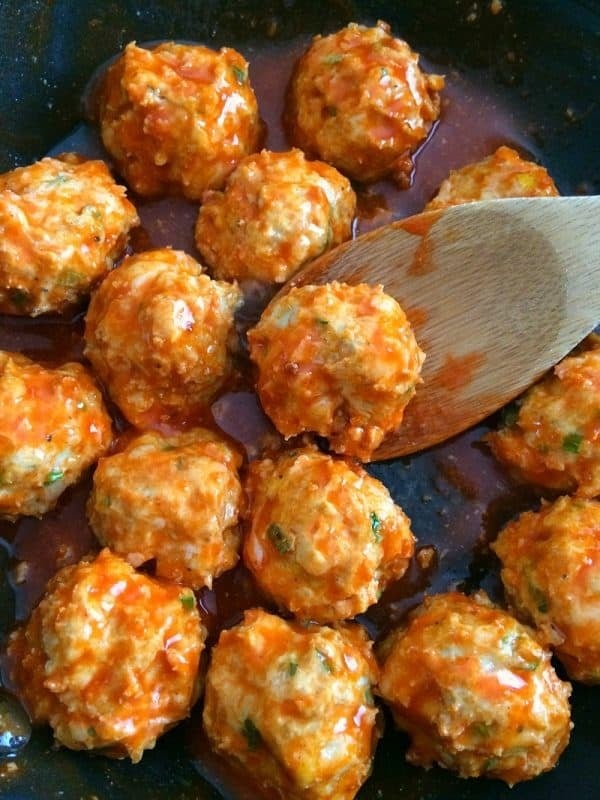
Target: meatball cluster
x,y
174,499
109,658
503,174
160,335
551,574
53,426
64,223
179,117
338,360
277,212
552,438
293,705
324,538
359,100
475,691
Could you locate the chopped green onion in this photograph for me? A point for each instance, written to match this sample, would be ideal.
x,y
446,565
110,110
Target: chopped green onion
x,y
53,476
240,75
375,526
187,601
292,668
58,179
572,442
252,734
333,58
280,541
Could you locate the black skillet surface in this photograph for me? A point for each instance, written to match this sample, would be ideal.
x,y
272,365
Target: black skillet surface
x,y
540,58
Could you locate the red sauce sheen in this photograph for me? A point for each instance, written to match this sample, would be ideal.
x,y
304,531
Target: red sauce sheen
x,y
465,494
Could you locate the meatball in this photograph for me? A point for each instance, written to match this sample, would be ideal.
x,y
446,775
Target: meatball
x,y
293,705
109,658
53,426
324,537
551,438
178,118
64,223
338,360
551,574
503,174
475,691
175,499
160,335
277,212
359,100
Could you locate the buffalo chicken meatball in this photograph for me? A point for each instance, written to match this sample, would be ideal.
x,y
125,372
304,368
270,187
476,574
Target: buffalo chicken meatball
x,y
174,499
53,426
553,437
475,691
338,360
359,100
63,224
324,537
160,335
551,574
503,174
293,705
277,212
109,658
178,118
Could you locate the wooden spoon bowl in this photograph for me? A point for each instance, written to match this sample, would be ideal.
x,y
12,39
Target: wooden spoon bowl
x,y
497,292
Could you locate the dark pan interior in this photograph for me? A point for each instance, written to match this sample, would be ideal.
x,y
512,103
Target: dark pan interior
x,y
544,56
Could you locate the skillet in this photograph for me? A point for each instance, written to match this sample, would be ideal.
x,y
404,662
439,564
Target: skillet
x,y
540,61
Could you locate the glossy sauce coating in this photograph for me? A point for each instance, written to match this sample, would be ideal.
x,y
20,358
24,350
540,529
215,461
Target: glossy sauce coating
x,y
551,574
294,705
475,690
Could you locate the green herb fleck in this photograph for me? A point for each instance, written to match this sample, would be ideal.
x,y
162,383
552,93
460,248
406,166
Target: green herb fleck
x,y
572,442
375,526
490,764
188,601
240,75
93,212
384,73
280,541
331,111
91,732
481,729
292,668
529,666
70,278
369,699
53,476
538,597
59,179
18,297
252,734
333,58
321,321
509,415
325,662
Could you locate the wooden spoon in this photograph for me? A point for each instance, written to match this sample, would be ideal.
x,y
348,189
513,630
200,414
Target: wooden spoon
x,y
497,293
